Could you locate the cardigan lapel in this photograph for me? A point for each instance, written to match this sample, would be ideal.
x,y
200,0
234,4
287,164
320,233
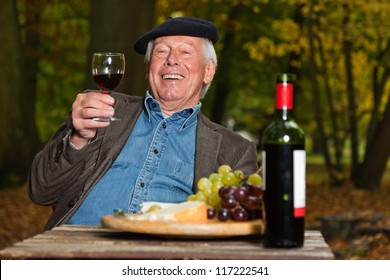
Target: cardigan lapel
x,y
208,144
127,109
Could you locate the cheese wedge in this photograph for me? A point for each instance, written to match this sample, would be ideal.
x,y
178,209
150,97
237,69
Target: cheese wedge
x,y
154,205
189,211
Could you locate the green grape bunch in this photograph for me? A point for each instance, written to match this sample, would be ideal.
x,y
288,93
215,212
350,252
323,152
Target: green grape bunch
x,y
229,195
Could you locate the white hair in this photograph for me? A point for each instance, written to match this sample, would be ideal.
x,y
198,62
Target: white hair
x,y
209,55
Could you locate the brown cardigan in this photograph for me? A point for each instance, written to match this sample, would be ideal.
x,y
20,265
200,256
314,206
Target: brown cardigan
x,y
61,177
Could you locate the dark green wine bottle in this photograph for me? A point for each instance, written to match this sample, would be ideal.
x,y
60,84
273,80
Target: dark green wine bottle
x,y
283,165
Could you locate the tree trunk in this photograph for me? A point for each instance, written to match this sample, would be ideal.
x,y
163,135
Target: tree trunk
x,y
380,75
375,161
338,143
19,140
317,103
377,150
115,26
352,106
222,88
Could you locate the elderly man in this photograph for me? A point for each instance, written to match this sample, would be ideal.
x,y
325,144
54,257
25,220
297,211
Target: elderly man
x,y
160,148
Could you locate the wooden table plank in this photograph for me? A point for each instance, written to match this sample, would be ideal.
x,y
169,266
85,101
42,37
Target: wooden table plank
x,y
77,242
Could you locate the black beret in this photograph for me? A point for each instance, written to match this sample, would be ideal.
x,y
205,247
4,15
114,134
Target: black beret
x,y
186,26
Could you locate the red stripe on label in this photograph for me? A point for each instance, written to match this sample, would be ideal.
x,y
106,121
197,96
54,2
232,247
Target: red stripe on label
x,y
299,212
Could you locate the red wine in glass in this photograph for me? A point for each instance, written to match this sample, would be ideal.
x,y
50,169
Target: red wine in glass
x,y
107,82
107,71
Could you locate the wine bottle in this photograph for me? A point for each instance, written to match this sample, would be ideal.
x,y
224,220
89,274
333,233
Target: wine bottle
x,y
283,170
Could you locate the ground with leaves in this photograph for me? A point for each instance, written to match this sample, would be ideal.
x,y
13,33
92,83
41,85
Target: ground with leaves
x,y
367,211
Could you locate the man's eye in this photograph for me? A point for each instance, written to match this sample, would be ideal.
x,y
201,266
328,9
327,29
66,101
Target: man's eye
x,y
160,51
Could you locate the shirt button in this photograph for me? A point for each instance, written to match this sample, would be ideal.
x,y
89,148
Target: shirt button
x,y
155,151
142,185
71,203
164,125
154,105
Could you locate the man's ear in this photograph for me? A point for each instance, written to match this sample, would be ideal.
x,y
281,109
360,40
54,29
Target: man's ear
x,y
210,72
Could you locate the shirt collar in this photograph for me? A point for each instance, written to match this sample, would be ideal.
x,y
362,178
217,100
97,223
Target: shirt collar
x,y
187,117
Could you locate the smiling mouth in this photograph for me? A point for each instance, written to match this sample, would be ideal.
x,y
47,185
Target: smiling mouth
x,y
172,77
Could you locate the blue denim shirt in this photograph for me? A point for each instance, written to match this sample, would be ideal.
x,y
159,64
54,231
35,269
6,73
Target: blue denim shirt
x,y
156,164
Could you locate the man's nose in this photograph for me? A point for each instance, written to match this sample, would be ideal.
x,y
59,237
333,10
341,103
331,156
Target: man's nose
x,y
172,59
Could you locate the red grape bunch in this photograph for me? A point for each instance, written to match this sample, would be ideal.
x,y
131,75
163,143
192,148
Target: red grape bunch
x,y
230,195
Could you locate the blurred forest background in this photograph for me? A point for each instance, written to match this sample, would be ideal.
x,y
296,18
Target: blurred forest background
x,y
338,51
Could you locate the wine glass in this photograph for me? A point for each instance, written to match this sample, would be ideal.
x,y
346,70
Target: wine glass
x,y
107,71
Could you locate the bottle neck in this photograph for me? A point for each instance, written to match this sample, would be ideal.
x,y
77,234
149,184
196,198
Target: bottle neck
x,y
284,100
283,114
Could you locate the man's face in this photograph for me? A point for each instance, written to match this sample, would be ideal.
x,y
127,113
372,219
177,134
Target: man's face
x,y
177,72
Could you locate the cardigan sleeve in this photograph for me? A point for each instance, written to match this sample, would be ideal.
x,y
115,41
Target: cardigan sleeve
x,y
58,167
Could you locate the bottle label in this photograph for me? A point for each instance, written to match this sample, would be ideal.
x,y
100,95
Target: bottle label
x,y
284,178
299,158
284,96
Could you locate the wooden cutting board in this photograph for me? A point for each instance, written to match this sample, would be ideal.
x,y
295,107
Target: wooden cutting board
x,y
210,229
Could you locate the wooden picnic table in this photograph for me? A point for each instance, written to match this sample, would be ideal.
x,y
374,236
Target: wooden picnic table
x,y
86,242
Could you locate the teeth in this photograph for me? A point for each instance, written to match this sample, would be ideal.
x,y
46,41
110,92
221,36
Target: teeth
x,y
172,77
